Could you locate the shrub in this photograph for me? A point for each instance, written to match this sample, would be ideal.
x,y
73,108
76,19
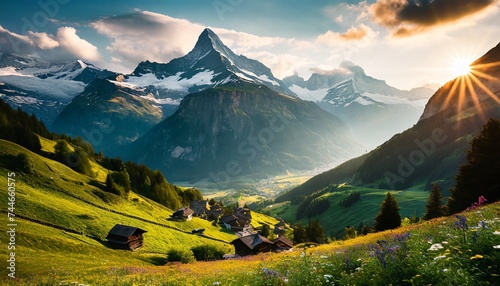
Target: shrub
x,y
180,255
208,252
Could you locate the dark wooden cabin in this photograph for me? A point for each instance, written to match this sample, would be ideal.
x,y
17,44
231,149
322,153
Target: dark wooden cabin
x,y
282,244
252,244
125,237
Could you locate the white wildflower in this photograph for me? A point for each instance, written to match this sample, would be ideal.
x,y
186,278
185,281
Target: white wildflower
x,y
440,257
323,256
436,246
444,242
497,232
496,246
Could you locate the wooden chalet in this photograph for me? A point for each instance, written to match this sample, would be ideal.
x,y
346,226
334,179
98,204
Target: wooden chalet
x,y
252,244
125,237
243,213
235,223
282,244
200,208
182,214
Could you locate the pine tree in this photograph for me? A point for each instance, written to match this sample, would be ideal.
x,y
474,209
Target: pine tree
x,y
266,230
481,174
434,207
388,216
315,232
299,233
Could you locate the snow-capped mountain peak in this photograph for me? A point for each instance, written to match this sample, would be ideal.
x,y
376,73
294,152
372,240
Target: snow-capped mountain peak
x,y
208,64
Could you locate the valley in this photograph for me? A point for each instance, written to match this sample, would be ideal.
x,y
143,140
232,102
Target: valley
x,y
247,143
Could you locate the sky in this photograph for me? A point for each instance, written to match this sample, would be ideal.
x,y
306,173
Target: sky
x,y
407,43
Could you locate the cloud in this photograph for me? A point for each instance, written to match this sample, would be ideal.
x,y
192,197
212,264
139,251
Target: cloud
x,y
43,40
362,32
146,35
73,44
65,45
410,17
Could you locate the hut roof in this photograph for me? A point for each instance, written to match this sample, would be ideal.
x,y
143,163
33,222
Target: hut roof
x,y
184,211
253,240
284,240
125,230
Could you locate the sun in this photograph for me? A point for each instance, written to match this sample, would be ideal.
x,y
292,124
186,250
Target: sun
x,y
461,67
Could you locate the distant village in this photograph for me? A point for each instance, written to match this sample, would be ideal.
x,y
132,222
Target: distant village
x,y
249,242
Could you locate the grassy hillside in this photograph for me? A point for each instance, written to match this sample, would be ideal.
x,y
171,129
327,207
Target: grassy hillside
x,y
438,252
336,218
63,219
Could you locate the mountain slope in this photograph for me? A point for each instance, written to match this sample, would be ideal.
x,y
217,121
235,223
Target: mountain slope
x,y
43,87
434,148
109,115
363,102
241,128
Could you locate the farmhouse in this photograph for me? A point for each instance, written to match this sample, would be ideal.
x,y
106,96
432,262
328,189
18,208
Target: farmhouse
x,y
125,237
282,244
200,208
252,244
235,223
182,214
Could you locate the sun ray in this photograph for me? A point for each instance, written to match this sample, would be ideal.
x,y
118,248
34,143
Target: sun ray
x,y
450,95
483,75
485,88
486,66
473,94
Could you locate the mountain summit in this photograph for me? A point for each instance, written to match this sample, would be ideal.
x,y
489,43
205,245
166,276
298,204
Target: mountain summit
x,y
210,63
364,103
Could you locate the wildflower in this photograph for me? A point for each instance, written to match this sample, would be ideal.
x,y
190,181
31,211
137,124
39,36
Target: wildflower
x,y
439,257
444,242
216,283
477,256
436,246
357,268
270,273
496,232
496,246
323,257
482,224
445,270
461,223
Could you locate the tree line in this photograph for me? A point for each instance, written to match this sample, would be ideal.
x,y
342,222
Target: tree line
x,y
23,129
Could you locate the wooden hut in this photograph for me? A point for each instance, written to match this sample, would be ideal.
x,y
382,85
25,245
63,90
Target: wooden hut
x,y
282,244
182,214
252,244
125,237
200,208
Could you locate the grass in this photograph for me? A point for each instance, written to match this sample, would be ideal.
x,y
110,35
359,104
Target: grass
x,y
364,211
404,256
55,194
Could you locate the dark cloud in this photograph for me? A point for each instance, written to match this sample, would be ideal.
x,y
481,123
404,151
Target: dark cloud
x,y
407,17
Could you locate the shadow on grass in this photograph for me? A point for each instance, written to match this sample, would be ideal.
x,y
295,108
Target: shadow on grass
x,y
156,260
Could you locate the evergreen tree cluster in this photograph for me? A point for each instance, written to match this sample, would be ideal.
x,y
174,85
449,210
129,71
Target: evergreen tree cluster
x,y
18,127
314,204
480,175
351,199
313,232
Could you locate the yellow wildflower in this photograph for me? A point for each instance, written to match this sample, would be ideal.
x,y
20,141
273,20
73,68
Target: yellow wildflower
x,y
477,256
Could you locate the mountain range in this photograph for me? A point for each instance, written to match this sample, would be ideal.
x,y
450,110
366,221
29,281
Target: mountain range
x,y
433,149
209,114
371,108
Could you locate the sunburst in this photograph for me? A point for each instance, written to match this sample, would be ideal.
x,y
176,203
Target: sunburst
x,y
471,79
